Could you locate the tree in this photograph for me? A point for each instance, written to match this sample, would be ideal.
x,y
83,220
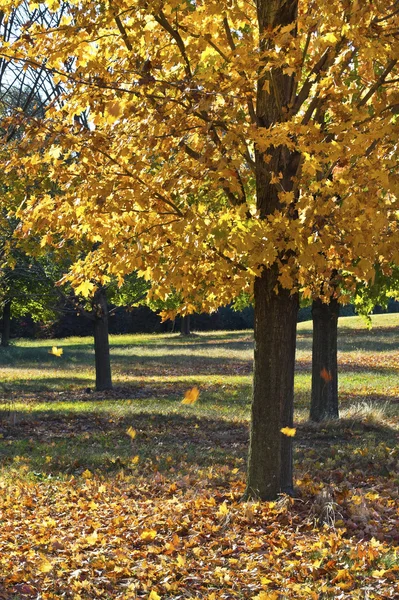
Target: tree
x,y
132,292
324,396
207,166
185,325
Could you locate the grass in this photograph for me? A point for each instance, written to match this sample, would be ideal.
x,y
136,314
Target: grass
x,y
58,437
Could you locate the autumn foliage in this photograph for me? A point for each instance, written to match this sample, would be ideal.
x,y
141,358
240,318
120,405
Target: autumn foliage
x,y
172,96
219,148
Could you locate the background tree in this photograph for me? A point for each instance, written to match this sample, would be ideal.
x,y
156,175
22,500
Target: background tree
x,y
207,165
324,395
132,292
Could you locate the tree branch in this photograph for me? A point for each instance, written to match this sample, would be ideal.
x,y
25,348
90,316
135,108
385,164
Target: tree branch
x,y
163,21
378,83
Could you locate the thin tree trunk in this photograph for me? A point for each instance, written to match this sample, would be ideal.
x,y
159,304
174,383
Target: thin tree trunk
x,y
5,335
185,325
324,401
101,342
270,454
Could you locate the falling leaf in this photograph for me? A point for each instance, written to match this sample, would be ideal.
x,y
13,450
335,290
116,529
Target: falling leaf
x,y
56,351
191,396
326,375
288,431
131,432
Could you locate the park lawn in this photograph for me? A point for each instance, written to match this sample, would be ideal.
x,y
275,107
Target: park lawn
x,y
89,511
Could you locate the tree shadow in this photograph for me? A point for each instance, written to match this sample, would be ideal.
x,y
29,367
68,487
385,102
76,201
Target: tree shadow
x,y
345,366
100,439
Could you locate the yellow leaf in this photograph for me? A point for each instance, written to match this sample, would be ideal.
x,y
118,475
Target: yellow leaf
x,y
288,431
191,396
56,351
92,539
135,459
378,574
266,86
223,510
55,152
181,561
131,432
331,37
45,566
87,474
267,596
148,535
85,289
154,596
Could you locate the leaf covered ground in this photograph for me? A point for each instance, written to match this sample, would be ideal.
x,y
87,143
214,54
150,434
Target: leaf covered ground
x,y
133,494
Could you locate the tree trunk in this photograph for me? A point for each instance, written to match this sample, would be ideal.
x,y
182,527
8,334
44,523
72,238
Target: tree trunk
x,y
185,325
324,401
270,452
101,342
5,335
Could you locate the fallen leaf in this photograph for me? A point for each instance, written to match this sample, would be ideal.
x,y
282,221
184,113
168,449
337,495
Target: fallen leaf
x,y
148,535
45,566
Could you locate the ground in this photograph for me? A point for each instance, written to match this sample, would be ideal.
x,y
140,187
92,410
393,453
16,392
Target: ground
x,y
132,494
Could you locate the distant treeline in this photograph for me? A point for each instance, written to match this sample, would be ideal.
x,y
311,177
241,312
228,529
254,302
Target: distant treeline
x,y
144,320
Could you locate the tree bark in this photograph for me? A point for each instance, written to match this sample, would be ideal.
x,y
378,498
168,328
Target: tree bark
x,y
101,342
270,452
5,335
185,325
324,400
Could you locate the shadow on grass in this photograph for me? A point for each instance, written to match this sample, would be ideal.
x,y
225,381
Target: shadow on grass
x,y
47,384
347,399
63,444
351,340
351,367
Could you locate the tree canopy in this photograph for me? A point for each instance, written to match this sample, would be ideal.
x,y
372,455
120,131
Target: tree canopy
x,y
165,178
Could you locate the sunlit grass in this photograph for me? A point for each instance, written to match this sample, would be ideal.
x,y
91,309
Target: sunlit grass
x,y
220,363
